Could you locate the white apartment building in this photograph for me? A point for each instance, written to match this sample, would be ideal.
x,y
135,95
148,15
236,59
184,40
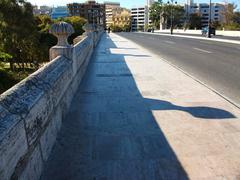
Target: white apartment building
x,y
109,8
140,16
203,9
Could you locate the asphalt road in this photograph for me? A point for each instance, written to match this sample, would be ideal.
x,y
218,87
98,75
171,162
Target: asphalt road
x,y
199,35
217,64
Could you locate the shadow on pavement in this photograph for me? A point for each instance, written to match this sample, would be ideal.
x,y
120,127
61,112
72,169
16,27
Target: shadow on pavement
x,y
197,111
110,132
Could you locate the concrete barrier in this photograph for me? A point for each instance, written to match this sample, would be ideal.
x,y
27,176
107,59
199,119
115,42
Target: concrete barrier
x,y
31,112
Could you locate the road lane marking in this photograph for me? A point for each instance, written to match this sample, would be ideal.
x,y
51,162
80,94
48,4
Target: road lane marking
x,y
170,42
207,42
202,50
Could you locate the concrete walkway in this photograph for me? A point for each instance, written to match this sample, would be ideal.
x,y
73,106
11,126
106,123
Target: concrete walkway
x,y
136,117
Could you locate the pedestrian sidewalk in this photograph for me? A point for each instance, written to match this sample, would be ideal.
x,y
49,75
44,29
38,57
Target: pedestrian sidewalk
x,y
137,117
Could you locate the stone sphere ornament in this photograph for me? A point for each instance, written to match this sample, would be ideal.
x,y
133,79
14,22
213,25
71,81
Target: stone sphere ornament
x,y
62,31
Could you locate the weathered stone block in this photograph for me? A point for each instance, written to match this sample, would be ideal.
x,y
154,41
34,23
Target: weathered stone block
x,y
49,136
20,98
38,118
13,142
65,51
34,166
62,76
80,52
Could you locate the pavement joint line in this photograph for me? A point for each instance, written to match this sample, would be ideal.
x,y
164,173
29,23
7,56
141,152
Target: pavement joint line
x,y
187,74
194,37
202,50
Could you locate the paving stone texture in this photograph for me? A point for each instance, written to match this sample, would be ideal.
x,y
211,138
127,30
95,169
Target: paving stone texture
x,y
136,117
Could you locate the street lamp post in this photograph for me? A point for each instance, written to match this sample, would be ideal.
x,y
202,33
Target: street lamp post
x,y
210,19
171,17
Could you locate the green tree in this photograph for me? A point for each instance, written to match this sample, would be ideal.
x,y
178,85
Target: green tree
x,y
236,17
174,12
19,35
155,11
168,12
77,23
195,21
46,39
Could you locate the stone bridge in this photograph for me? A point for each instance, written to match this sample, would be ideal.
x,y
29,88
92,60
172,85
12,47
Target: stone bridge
x,y
132,116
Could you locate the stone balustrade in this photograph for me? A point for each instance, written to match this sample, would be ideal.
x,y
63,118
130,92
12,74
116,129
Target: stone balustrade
x,y
31,112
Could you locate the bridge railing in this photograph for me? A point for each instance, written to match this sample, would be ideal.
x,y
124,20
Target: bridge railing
x,y
31,112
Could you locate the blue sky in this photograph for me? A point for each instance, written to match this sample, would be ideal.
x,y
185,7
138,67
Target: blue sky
x,y
124,3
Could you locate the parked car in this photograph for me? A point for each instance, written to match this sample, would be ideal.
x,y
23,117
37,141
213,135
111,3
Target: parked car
x,y
205,31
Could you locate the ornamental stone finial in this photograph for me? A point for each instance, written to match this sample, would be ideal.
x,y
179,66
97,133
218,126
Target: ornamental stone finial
x,y
62,30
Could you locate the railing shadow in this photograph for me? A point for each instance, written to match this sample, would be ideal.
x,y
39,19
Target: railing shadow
x,y
197,111
110,132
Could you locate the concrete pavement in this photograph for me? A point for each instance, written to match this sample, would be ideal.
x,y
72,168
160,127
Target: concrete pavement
x,y
137,117
213,63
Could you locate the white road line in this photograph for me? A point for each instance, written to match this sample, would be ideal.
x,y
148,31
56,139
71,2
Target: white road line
x,y
206,42
170,42
202,50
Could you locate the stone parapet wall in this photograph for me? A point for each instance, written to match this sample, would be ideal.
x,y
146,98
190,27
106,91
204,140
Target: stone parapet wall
x,y
31,112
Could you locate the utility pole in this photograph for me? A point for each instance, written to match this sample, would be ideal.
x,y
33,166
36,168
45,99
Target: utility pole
x,y
171,17
187,18
210,19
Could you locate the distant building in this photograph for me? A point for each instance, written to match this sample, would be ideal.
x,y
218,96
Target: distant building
x,y
149,2
140,17
59,12
90,10
122,19
42,10
203,9
110,7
